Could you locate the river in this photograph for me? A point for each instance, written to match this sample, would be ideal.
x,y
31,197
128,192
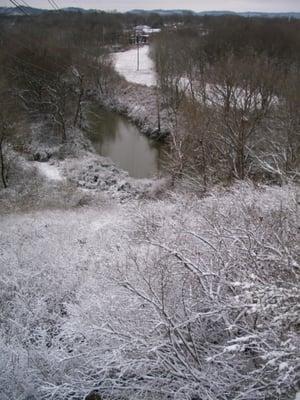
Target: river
x,y
114,136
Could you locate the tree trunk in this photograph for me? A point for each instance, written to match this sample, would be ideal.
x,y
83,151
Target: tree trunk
x,y
63,130
241,152
241,162
2,166
78,108
158,112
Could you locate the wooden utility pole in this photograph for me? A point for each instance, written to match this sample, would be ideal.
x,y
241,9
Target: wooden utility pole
x,y
138,50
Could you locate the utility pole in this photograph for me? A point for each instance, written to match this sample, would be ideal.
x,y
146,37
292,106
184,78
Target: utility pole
x,y
138,50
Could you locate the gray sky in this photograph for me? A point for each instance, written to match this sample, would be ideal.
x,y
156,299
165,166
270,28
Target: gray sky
x,y
197,5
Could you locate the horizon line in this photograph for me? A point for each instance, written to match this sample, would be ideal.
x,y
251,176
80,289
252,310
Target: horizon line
x,y
157,9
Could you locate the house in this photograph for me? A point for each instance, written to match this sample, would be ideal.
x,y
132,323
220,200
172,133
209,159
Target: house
x,y
142,33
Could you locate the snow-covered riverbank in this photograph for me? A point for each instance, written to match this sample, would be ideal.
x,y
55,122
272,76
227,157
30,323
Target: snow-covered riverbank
x,y
136,66
136,95
67,175
139,104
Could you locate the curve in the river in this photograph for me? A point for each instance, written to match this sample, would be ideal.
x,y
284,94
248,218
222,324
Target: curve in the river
x,y
114,136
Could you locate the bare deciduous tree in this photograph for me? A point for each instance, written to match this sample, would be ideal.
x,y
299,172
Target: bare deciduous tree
x,y
7,115
242,92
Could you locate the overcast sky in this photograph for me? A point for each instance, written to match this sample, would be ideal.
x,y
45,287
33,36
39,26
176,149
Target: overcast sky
x,y
197,5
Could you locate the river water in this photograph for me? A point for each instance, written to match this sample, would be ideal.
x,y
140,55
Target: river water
x,y
114,136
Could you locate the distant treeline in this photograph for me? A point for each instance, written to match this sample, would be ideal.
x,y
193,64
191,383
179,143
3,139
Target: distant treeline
x,y
277,37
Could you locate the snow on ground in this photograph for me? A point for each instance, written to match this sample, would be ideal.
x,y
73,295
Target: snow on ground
x,y
126,65
49,171
63,297
62,283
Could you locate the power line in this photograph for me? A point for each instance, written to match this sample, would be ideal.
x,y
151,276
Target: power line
x,y
17,5
53,4
23,45
25,4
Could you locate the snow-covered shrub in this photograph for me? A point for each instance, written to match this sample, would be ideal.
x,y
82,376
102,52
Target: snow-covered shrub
x,y
183,298
215,300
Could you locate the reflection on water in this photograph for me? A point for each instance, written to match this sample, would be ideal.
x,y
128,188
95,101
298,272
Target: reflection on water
x,y
115,137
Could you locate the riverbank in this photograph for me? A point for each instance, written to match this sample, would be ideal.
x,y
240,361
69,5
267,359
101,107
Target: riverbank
x,y
134,94
46,173
139,103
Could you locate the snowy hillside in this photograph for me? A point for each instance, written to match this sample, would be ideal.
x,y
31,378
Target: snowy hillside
x,y
191,284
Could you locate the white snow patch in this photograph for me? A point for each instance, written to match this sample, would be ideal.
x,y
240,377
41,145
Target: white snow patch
x,y
126,65
51,172
243,339
283,365
232,348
